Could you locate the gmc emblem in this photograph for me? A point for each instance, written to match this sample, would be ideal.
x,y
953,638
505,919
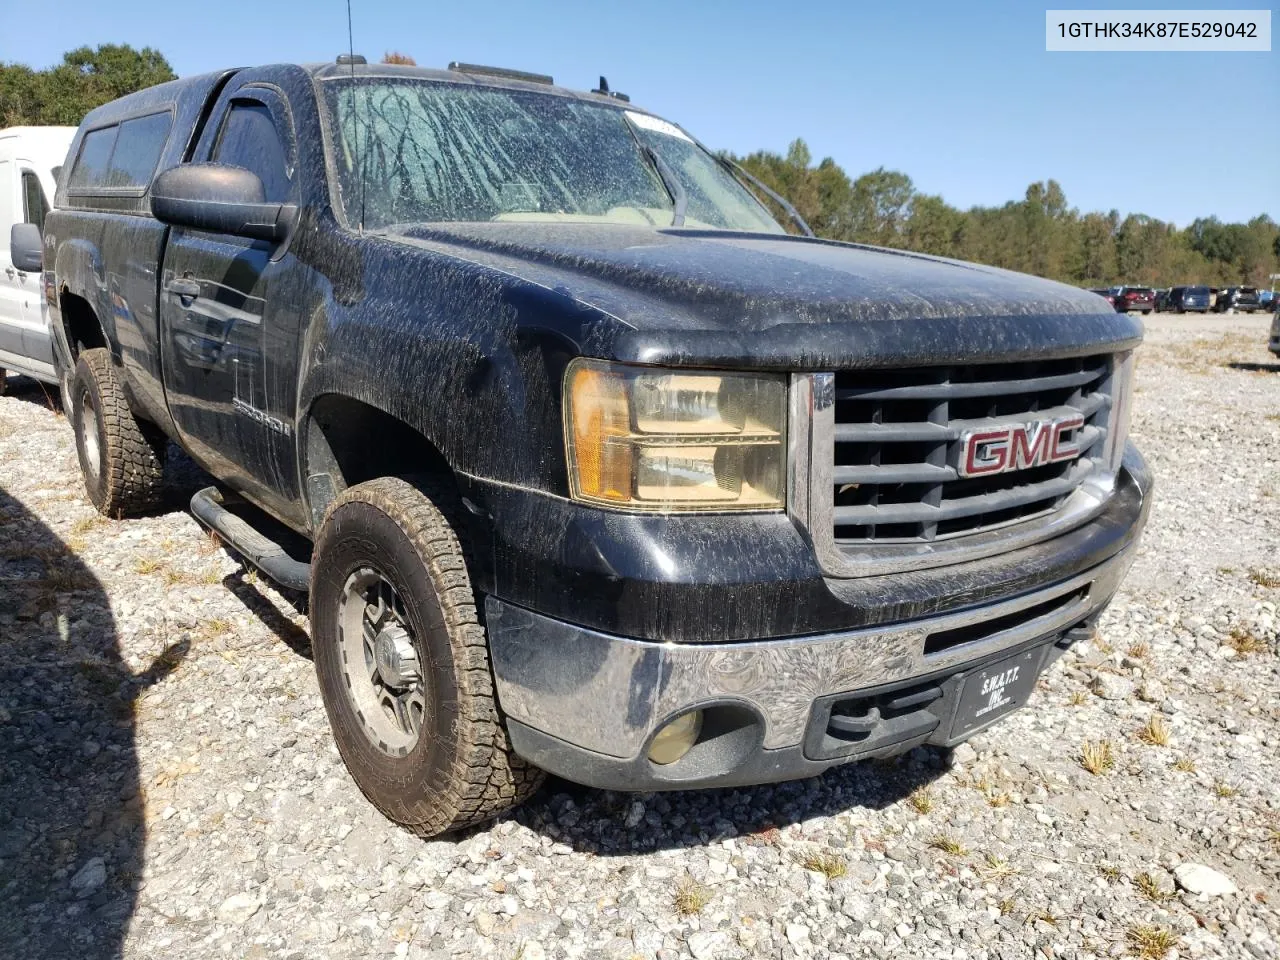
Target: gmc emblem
x,y
1018,446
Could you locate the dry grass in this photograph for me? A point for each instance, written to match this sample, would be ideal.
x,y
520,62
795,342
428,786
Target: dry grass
x,y
1245,643
691,897
1150,887
1224,790
176,578
948,845
1265,578
1078,698
86,525
1155,732
211,545
997,868
213,628
1185,765
998,798
1097,756
147,565
1151,943
1140,650
921,800
828,864
67,578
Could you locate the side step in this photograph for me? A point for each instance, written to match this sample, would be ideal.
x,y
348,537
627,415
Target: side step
x,y
265,554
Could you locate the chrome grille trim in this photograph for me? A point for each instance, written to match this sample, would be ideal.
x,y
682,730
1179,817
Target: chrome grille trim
x,y
1009,518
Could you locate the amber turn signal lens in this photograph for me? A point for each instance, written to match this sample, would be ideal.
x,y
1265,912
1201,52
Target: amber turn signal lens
x,y
601,422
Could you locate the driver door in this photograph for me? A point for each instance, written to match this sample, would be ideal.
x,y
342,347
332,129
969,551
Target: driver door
x,y
230,329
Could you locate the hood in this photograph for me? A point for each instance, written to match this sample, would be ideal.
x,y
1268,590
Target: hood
x,y
722,297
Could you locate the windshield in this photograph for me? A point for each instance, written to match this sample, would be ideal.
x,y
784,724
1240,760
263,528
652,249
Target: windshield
x,y
422,151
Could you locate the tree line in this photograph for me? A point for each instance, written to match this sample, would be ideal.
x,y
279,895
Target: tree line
x,y
1038,234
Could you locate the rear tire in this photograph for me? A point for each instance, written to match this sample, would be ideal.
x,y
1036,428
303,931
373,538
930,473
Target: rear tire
x,y
389,585
123,466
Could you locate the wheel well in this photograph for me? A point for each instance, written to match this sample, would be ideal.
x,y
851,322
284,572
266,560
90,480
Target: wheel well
x,y
349,442
81,324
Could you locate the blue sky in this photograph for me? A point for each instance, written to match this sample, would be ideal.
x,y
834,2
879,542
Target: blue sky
x,y
962,97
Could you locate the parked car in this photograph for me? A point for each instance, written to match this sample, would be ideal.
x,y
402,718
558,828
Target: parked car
x,y
29,160
1188,300
1161,302
1135,299
1274,344
603,472
1106,294
1242,299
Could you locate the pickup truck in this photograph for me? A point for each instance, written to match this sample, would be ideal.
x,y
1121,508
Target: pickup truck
x,y
600,471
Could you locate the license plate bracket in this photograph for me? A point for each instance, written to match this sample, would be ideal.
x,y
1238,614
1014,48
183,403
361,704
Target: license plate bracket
x,y
991,692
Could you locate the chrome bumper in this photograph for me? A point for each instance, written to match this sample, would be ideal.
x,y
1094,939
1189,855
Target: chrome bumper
x,y
609,695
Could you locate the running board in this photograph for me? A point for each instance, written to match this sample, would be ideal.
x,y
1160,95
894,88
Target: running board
x,y
265,554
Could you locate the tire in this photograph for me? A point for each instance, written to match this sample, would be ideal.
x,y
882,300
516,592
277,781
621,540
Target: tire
x,y
122,462
4,381
457,767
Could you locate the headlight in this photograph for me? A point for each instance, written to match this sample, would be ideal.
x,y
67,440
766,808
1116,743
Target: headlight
x,y
669,440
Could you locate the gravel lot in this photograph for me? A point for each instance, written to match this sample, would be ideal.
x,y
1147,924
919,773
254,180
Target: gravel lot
x,y
168,787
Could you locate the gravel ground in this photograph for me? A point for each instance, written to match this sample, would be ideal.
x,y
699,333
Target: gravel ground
x,y
168,787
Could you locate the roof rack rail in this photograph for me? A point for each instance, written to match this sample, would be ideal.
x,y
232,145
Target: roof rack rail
x,y
351,59
502,72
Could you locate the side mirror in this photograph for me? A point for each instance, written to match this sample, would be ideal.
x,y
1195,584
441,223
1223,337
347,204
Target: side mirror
x,y
26,247
219,198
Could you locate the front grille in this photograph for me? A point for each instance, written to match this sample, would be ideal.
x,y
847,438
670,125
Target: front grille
x,y
897,439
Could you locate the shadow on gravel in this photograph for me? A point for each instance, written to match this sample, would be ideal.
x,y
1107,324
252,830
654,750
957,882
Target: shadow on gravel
x,y
1255,367
71,812
608,824
256,602
33,391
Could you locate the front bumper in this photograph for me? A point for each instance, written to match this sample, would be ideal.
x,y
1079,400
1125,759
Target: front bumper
x,y
586,704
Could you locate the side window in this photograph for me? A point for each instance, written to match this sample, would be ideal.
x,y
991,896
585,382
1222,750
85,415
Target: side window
x,y
95,155
138,148
249,139
33,199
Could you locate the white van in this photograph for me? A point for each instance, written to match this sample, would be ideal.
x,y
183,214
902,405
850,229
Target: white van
x,y
30,158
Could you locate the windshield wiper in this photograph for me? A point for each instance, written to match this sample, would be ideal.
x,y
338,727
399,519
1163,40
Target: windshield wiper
x,y
673,185
738,173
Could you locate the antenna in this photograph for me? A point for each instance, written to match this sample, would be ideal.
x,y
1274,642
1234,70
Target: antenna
x,y
351,64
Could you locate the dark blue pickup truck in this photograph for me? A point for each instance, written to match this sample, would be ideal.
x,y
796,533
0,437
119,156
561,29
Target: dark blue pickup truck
x,y
600,470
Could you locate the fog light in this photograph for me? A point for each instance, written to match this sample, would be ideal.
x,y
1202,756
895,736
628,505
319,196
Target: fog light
x,y
674,740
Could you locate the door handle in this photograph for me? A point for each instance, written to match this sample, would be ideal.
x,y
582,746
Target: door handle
x,y
186,289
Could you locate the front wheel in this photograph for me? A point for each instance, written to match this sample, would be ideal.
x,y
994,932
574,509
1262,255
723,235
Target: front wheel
x,y
403,662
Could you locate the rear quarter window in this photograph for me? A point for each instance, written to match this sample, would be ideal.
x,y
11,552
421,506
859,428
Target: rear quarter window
x,y
121,157
91,165
138,149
